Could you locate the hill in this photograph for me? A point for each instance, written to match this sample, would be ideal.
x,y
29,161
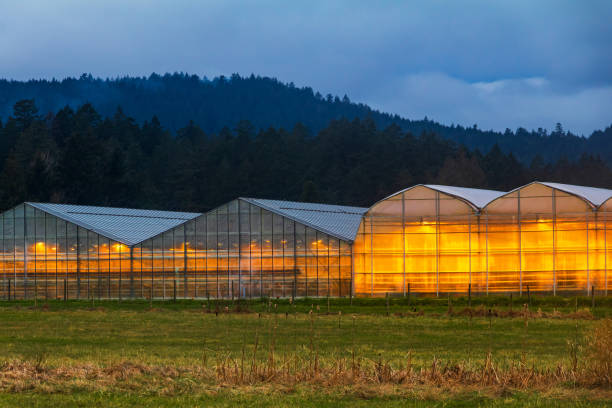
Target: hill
x,y
81,157
177,99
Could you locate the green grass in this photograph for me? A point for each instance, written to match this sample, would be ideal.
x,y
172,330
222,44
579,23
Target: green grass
x,y
185,333
299,398
603,304
171,336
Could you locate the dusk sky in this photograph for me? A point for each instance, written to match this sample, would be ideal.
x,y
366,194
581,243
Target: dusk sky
x,y
497,64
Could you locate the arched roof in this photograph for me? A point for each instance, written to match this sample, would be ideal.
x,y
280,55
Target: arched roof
x,y
595,196
605,202
475,197
591,195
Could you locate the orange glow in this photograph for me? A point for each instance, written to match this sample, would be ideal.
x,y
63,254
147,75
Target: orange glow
x,y
319,246
40,248
428,242
498,258
118,247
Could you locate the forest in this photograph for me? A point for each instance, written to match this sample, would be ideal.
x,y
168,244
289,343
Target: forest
x,y
80,156
265,102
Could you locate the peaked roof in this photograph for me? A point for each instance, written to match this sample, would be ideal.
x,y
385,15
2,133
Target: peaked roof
x,y
476,197
336,220
596,196
126,225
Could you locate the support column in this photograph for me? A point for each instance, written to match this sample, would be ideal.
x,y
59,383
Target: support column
x,y
606,254
295,283
131,272
487,252
520,242
352,248
470,251
78,265
403,244
437,243
554,220
588,271
371,258
239,249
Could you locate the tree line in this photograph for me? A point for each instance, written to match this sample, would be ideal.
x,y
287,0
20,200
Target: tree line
x,y
81,157
212,104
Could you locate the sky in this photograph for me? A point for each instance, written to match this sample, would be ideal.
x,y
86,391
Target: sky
x,y
498,64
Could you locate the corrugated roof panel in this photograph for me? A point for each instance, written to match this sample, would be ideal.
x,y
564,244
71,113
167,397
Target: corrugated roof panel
x,y
336,220
127,225
477,196
596,196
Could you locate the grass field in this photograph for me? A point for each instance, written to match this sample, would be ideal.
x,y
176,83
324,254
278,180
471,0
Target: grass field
x,y
312,352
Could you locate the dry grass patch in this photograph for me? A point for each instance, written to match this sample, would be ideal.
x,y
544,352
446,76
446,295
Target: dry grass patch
x,y
357,376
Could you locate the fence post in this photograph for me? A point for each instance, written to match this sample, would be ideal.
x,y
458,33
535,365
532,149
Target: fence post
x,y
185,283
470,295
593,298
528,296
65,289
408,287
387,299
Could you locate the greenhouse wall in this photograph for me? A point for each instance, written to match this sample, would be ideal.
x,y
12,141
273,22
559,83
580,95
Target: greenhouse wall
x,y
535,238
243,250
236,250
47,257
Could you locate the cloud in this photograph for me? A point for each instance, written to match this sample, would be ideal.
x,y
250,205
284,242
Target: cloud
x,y
548,53
525,102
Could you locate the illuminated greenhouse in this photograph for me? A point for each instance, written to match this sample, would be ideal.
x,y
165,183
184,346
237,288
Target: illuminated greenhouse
x,y
426,239
245,248
545,237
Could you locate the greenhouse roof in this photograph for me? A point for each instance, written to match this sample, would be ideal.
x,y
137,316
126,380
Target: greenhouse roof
x,y
336,220
478,197
595,196
126,225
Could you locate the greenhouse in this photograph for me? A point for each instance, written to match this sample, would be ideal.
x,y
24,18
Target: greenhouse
x,y
426,239
245,248
545,237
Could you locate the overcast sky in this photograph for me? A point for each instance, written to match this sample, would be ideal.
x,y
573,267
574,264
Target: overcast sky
x,y
495,63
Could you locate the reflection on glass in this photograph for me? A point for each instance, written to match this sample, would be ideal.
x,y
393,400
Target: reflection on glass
x,y
237,250
537,239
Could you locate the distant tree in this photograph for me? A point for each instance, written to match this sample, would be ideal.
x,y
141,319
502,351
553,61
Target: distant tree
x,y
462,170
310,192
83,157
265,102
25,112
13,182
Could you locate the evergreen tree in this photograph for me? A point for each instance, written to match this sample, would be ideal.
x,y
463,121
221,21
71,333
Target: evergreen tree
x,y
83,157
24,113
